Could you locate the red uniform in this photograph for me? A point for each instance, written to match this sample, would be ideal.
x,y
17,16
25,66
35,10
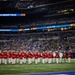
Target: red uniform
x,y
24,54
0,55
57,55
9,54
36,55
17,54
21,56
32,55
64,55
29,54
43,55
4,55
69,55
50,55
13,55
46,55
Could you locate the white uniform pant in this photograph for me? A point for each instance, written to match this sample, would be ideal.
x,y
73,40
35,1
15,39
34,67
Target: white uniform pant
x,y
24,60
36,61
0,60
9,60
29,60
54,60
57,60
21,61
69,59
33,59
17,60
46,60
5,61
49,60
13,61
64,59
60,59
43,60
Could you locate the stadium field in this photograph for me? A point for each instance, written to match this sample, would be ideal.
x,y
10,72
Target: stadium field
x,y
39,68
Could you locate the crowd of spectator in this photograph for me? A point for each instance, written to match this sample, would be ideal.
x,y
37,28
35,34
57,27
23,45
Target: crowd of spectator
x,y
47,21
40,42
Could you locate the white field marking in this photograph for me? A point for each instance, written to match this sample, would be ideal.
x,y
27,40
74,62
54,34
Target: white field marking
x,y
6,69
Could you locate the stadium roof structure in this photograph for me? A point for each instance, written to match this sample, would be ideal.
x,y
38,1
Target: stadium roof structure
x,y
28,6
34,9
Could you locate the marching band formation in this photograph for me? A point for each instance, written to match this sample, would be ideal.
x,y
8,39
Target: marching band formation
x,y
16,57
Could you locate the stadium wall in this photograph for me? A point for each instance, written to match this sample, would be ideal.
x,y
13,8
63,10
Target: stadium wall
x,y
73,55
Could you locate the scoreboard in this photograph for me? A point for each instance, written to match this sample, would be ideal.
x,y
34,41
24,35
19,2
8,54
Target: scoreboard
x,y
12,14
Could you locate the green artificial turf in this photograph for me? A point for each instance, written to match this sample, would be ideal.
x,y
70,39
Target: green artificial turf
x,y
36,68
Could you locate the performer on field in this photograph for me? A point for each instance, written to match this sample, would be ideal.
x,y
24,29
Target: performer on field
x,y
57,57
21,57
43,57
36,57
50,56
64,56
0,57
5,57
13,57
46,57
17,56
29,57
24,56
69,56
9,56
60,56
54,54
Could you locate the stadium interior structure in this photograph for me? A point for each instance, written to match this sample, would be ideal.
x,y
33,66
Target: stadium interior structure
x,y
44,25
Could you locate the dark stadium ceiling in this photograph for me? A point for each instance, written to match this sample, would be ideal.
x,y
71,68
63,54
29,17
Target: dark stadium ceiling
x,y
37,7
34,9
30,6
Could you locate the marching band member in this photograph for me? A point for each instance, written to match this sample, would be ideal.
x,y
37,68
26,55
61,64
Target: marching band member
x,y
69,56
64,56
50,56
5,57
29,57
57,57
54,54
36,57
24,56
60,56
9,56
46,57
0,57
43,57
21,57
13,57
17,56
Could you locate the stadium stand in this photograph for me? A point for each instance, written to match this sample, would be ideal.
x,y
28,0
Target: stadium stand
x,y
40,29
38,41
